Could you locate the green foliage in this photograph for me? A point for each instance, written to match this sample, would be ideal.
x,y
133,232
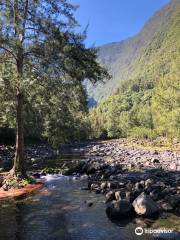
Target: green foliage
x,y
166,104
96,122
44,60
144,58
142,133
49,170
17,182
146,103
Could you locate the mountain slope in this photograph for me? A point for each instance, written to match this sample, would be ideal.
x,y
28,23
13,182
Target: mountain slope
x,y
142,58
145,88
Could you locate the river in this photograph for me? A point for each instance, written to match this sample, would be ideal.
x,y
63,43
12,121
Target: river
x,y
60,211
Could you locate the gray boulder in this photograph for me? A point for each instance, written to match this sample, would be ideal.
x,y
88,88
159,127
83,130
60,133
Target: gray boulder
x,y
119,209
145,206
110,196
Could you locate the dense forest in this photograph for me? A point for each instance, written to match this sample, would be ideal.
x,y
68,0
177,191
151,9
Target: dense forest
x,y
146,99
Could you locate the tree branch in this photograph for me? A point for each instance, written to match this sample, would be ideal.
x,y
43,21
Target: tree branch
x,y
8,51
25,18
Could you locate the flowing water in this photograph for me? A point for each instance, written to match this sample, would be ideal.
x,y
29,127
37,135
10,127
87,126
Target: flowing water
x,y
60,211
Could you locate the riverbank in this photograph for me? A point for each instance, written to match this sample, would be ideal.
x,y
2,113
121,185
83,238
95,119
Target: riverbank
x,y
34,154
135,181
141,152
125,172
14,193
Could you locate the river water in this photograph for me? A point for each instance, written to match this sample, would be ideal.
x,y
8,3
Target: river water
x,y
60,211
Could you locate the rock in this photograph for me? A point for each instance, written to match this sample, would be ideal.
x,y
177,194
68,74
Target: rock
x,y
130,196
97,190
91,170
173,166
160,184
155,152
119,209
84,177
155,160
94,186
112,185
103,185
145,206
165,192
119,195
33,160
121,184
149,182
129,186
75,178
138,186
36,175
110,196
166,207
5,187
131,166
89,203
142,182
174,200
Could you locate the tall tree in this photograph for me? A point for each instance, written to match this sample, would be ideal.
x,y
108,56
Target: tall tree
x,y
37,41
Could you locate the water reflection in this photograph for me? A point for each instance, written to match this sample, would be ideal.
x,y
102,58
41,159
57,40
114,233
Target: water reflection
x,y
59,212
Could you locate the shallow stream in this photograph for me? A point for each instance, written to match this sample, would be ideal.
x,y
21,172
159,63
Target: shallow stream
x,y
60,211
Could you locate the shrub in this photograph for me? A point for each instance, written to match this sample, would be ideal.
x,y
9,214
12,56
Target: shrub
x,y
142,133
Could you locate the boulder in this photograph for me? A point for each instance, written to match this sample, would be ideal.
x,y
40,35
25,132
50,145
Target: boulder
x,y
120,195
155,160
145,206
90,170
89,203
119,209
138,186
130,196
110,196
173,200
166,207
103,185
148,182
112,185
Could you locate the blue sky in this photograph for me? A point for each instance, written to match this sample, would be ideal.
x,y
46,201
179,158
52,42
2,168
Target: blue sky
x,y
114,20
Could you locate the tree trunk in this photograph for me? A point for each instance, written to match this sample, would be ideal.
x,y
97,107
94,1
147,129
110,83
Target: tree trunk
x,y
19,168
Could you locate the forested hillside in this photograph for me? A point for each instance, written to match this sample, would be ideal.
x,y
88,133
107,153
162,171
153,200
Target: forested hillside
x,y
144,57
147,100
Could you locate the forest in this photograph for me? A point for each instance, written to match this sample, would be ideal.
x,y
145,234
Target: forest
x,y
86,127
144,93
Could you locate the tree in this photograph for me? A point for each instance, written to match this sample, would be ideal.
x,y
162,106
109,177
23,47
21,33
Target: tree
x,y
166,104
37,40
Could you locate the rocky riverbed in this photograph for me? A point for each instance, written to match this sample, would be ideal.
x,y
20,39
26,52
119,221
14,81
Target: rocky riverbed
x,y
136,181
34,154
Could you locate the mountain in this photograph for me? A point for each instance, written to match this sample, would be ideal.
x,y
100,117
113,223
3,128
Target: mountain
x,y
142,58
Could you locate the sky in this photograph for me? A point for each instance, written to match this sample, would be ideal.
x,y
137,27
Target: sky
x,y
114,20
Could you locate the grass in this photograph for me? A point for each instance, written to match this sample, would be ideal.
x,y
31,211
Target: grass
x,y
171,222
